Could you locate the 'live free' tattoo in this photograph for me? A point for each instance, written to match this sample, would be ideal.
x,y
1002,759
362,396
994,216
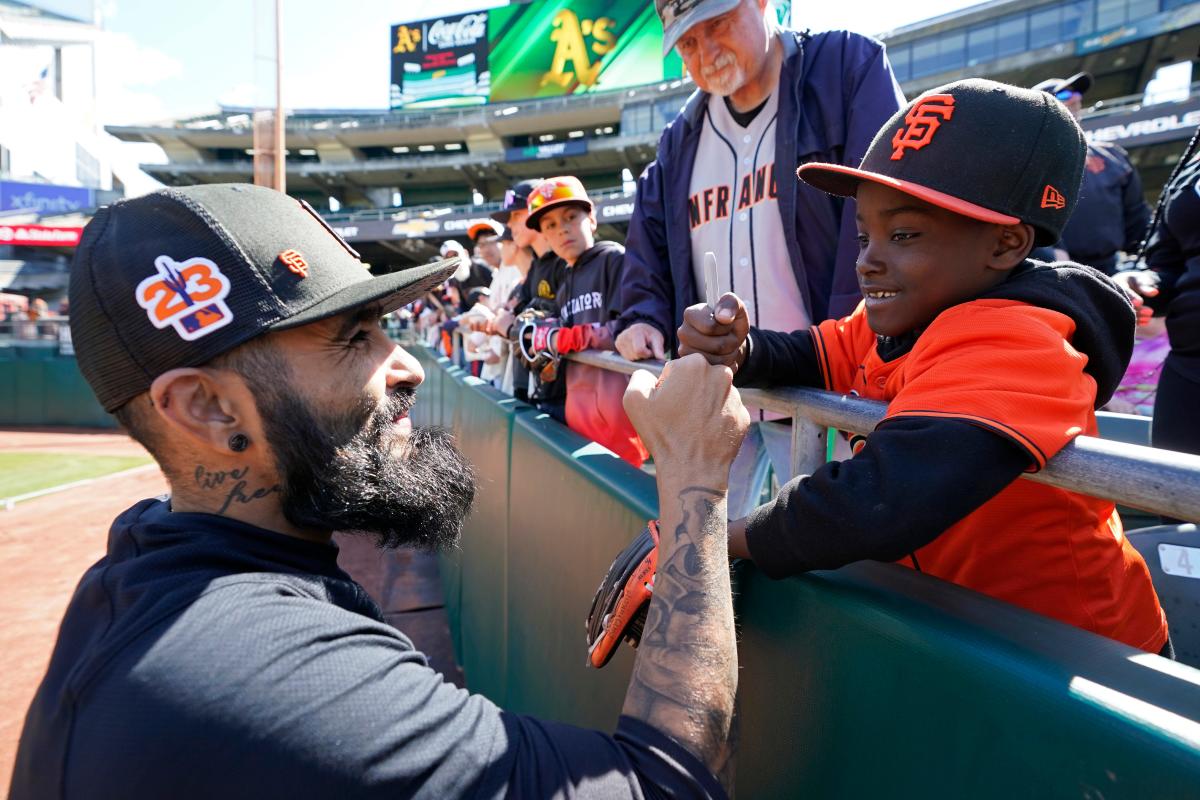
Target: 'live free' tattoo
x,y
217,479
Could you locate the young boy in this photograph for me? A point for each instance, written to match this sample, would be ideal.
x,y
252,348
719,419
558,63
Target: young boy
x,y
989,362
561,211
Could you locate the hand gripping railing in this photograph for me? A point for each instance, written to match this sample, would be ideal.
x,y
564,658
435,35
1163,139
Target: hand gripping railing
x,y
1159,481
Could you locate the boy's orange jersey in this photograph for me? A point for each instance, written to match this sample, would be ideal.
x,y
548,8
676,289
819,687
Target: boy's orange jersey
x,y
1009,367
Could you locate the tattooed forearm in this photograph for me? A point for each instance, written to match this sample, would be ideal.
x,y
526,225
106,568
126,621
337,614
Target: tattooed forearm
x,y
685,677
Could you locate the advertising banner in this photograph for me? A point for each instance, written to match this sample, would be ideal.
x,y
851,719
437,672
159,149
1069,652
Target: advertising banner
x,y
549,48
43,198
573,147
440,62
39,235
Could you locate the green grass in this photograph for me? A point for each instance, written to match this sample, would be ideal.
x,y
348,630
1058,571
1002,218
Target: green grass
x,y
21,473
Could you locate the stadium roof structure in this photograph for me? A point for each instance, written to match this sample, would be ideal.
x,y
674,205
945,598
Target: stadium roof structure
x,y
436,160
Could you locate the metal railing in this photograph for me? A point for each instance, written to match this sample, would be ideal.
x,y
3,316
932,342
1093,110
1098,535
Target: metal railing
x,y
1159,481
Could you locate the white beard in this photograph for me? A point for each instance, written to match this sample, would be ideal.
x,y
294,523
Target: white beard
x,y
725,76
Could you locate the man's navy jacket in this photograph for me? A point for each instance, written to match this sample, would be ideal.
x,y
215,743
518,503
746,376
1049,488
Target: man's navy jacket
x,y
836,92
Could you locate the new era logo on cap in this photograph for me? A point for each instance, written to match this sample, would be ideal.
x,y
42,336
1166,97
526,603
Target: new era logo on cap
x,y
923,121
1053,198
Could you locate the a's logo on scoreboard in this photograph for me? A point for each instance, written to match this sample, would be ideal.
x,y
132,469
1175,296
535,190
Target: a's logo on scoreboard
x,y
571,59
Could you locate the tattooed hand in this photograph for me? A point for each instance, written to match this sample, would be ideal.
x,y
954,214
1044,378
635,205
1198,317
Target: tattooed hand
x,y
692,420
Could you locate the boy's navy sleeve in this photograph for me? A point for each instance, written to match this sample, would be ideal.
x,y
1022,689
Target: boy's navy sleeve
x,y
780,359
899,493
646,291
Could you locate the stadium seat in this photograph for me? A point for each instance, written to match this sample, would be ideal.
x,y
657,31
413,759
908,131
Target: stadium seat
x,y
1179,590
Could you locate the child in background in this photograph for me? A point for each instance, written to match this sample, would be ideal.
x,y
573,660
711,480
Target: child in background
x,y
587,297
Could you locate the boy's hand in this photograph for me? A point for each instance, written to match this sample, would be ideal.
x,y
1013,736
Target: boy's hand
x,y
1138,284
692,420
641,340
720,335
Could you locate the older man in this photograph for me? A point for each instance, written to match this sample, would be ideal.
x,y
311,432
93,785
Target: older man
x,y
218,650
724,182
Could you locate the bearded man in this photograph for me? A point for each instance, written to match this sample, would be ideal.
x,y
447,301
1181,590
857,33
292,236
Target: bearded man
x,y
218,650
724,181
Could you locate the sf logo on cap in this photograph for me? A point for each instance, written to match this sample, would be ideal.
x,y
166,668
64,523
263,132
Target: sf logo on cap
x,y
922,121
189,295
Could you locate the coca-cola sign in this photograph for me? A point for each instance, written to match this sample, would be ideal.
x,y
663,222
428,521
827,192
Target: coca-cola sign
x,y
440,62
462,32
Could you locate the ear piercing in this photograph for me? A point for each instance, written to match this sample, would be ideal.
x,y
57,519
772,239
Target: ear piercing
x,y
239,442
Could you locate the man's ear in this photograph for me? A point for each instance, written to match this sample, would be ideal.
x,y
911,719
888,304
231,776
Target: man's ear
x,y
205,405
1013,245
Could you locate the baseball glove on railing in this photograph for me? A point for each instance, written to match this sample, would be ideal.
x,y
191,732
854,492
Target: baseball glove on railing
x,y
534,335
623,599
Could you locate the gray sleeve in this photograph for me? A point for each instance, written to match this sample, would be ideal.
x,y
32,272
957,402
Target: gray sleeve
x,y
288,696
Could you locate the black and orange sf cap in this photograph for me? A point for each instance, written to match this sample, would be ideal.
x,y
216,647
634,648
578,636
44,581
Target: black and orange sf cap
x,y
177,277
986,150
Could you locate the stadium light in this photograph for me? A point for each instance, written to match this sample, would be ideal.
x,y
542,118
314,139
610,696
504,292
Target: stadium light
x,y
426,148
401,149
546,137
453,146
575,134
507,112
307,152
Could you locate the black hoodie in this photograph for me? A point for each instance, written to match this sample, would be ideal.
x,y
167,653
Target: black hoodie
x,y
591,287
206,658
916,476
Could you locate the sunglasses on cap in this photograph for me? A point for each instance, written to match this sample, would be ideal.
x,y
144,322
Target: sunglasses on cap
x,y
1066,94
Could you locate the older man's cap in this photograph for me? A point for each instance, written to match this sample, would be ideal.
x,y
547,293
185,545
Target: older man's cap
x,y
178,277
516,197
678,16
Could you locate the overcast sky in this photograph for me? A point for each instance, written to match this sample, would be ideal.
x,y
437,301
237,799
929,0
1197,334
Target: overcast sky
x,y
165,59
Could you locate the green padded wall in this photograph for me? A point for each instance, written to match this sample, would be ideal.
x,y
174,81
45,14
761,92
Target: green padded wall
x,y
869,681
40,388
573,506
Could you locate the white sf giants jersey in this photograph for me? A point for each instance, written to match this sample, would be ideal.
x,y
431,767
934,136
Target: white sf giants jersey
x,y
733,210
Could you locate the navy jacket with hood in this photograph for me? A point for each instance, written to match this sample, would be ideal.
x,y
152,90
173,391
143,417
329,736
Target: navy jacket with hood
x,y
837,91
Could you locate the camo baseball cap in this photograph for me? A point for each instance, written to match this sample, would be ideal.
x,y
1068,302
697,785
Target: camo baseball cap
x,y
180,276
678,16
986,150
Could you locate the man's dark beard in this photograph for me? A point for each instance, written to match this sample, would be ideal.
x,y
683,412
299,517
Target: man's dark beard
x,y
345,472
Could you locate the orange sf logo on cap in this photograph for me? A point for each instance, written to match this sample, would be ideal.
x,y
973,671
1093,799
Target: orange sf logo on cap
x,y
923,120
294,262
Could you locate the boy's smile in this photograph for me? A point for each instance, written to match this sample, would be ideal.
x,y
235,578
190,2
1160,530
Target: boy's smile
x,y
915,259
